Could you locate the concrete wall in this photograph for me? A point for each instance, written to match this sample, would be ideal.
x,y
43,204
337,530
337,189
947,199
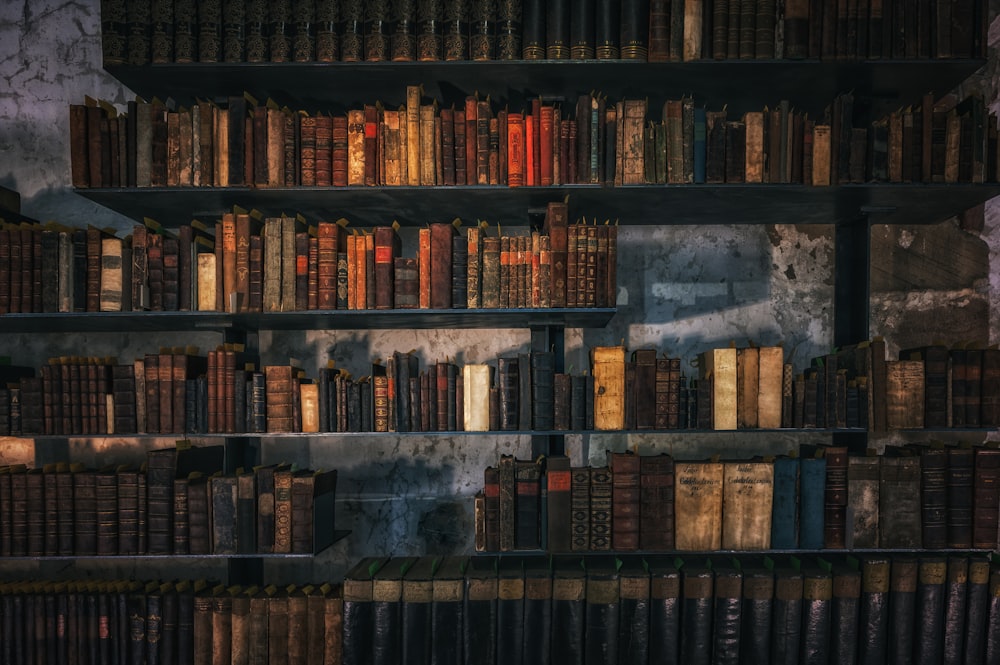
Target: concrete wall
x,y
682,289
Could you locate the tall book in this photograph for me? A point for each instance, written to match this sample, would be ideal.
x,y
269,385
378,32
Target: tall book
x,y
720,366
899,502
747,495
656,509
698,504
608,365
862,502
626,500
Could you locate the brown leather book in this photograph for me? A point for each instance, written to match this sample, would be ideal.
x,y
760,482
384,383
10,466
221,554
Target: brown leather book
x,y
406,283
986,497
626,500
441,234
331,237
556,227
601,506
747,386
656,502
279,384
388,247
904,394
645,388
283,510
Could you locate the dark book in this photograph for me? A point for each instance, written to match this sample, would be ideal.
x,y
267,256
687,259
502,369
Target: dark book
x,y
480,611
601,506
447,610
106,484
558,501
812,485
540,402
527,502
903,585
84,515
533,30
755,613
785,503
935,382
415,611
817,601
960,483
727,614
199,499
786,620
929,606
579,508
696,613
358,610
313,494
656,505
977,609
899,502
511,619
601,609
626,500
986,497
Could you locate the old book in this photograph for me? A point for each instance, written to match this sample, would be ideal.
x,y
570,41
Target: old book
x,y
899,502
960,488
626,500
770,387
904,394
608,365
279,382
747,497
862,502
313,494
720,366
986,497
747,390
812,486
698,502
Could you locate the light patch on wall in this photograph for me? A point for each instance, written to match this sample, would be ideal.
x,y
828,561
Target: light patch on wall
x,y
906,238
687,293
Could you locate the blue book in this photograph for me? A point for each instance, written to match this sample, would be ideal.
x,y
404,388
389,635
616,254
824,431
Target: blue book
x,y
785,504
812,487
699,144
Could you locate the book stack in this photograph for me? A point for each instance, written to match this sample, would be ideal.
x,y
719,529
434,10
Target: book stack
x,y
348,30
473,141
183,621
689,609
918,496
244,263
180,502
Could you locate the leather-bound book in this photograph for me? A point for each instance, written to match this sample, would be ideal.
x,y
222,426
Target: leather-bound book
x,y
568,609
483,21
985,497
601,608
579,502
835,497
862,502
507,503
746,509
625,500
429,29
696,613
234,31
973,386
34,493
527,503
199,501
656,509
540,396
929,612
358,610
512,631
139,26
106,483
990,388
84,517
634,611
747,390
415,639
755,613
727,613
960,487
601,506
280,30
161,469
441,267
407,283
977,613
812,486
533,30
447,593
223,492
376,31
491,516
558,503
787,619
508,374
635,27
351,30
953,613
508,30
607,30
456,29
817,602
313,496
903,588
480,610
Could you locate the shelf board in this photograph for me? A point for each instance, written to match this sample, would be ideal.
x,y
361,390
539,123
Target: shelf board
x,y
685,553
310,320
740,84
915,203
338,535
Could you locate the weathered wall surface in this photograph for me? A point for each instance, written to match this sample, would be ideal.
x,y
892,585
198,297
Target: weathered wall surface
x,y
681,289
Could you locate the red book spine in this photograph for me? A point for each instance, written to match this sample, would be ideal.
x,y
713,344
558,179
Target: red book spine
x,y
471,114
371,145
546,147
424,267
536,144
515,149
529,153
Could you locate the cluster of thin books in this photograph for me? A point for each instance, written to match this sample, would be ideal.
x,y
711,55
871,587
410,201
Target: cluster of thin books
x,y
180,502
166,31
750,609
244,263
183,621
920,496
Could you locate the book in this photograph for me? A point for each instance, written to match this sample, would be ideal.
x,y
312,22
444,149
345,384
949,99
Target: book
x,y
608,365
698,504
720,366
747,496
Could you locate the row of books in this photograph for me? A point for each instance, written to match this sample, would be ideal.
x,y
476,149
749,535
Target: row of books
x,y
249,264
932,386
182,621
726,609
163,31
595,141
919,497
227,390
179,502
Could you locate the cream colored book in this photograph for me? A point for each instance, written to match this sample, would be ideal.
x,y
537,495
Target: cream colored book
x,y
770,386
720,365
608,364
476,395
748,489
698,506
